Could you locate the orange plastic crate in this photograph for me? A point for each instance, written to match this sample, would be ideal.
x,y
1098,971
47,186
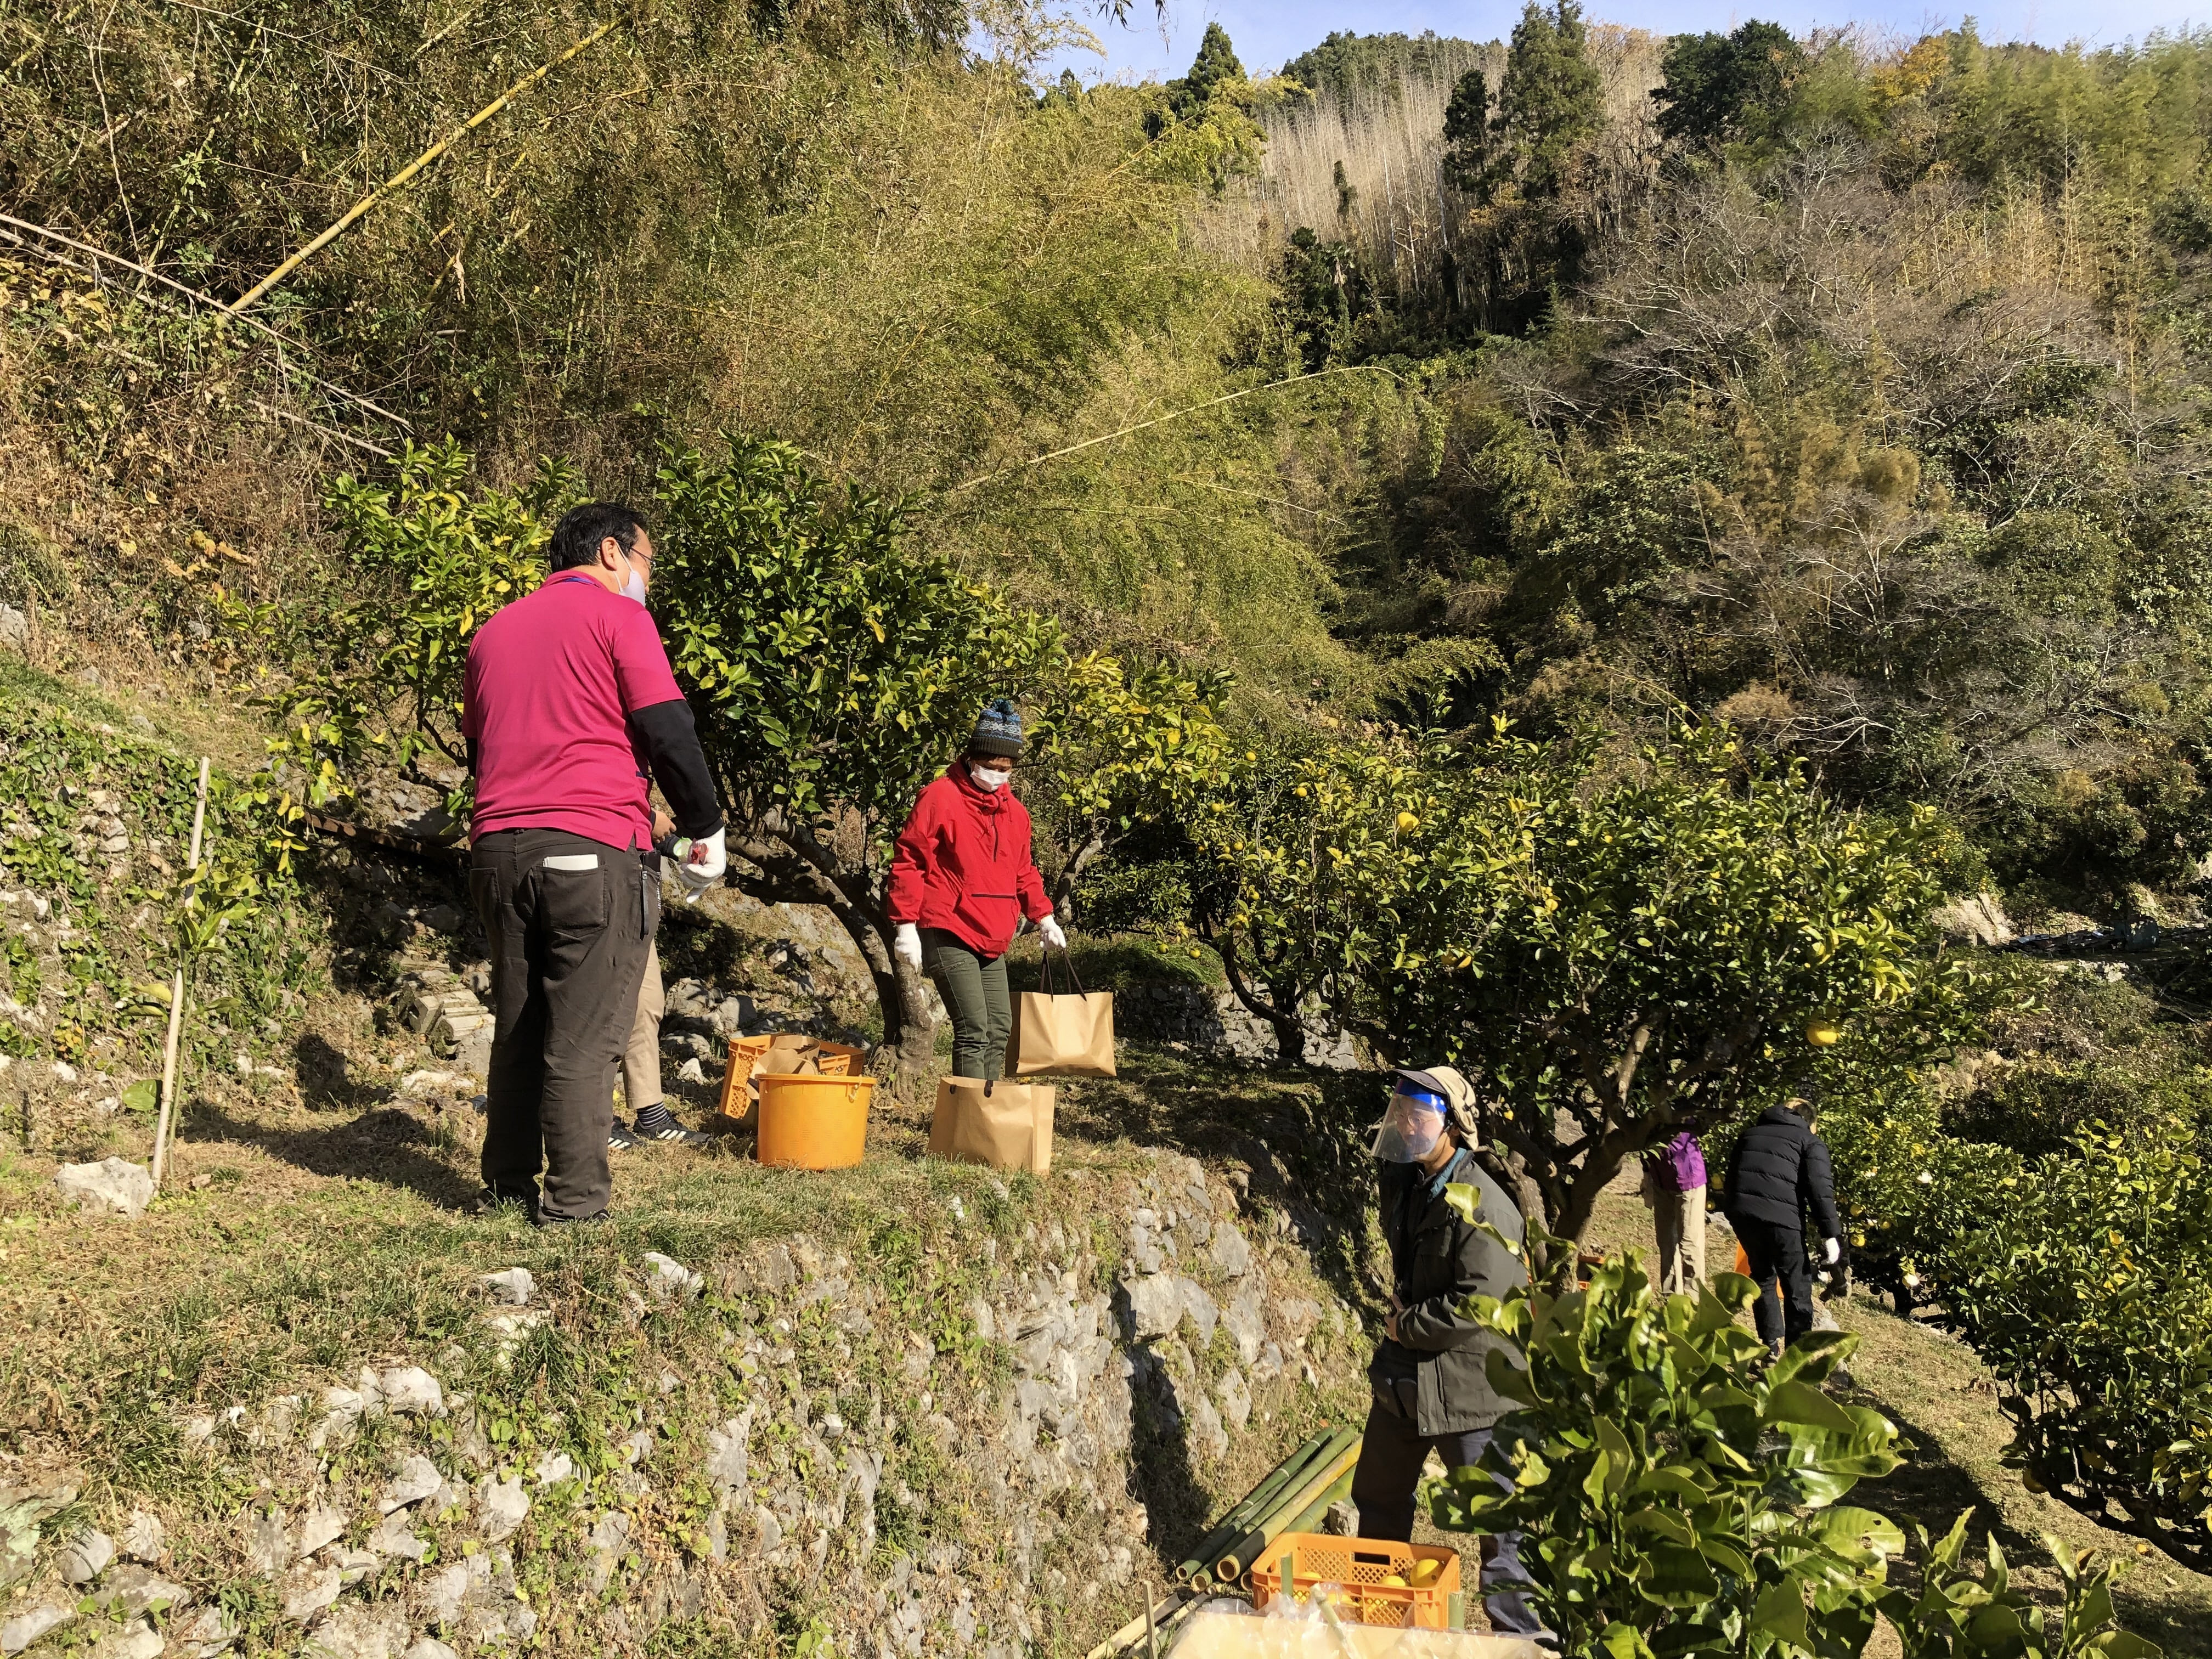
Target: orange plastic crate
x,y
1357,1566
739,1099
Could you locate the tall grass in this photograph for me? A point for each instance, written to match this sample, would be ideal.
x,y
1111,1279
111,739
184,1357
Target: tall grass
x,y
1365,165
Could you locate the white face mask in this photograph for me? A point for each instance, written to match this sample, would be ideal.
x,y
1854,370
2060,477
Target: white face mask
x,y
634,587
989,780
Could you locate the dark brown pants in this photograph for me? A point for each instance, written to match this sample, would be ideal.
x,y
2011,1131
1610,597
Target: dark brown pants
x,y
569,921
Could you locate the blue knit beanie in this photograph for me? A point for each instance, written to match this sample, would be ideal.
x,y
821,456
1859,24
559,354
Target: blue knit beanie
x,y
998,729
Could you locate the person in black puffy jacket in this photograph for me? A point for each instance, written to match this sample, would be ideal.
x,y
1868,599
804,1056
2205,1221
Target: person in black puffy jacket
x,y
1779,1169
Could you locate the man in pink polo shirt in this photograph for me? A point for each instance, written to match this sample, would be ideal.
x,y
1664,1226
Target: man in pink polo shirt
x,y
568,703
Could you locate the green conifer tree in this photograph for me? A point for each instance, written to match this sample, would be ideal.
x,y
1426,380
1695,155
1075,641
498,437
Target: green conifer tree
x,y
1215,64
1548,99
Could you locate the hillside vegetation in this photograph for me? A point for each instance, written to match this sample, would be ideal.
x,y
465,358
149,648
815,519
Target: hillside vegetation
x,y
1628,564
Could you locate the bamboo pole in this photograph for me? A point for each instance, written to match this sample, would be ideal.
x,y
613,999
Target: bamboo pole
x,y
413,167
177,992
1195,1566
1310,1517
1274,1520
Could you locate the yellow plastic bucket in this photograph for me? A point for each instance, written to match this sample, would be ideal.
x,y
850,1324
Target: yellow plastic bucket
x,y
813,1122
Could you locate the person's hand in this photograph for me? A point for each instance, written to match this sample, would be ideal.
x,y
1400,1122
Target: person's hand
x,y
662,825
703,866
1053,934
1831,1251
1390,1325
908,944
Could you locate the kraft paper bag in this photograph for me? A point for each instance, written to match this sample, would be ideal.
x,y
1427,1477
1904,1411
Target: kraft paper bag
x,y
1069,1032
1007,1126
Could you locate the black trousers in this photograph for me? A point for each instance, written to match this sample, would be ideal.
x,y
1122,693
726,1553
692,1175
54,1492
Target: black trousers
x,y
569,921
1391,1453
1778,1256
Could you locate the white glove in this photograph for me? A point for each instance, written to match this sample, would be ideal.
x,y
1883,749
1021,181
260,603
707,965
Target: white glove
x,y
703,866
1831,1251
1054,935
908,944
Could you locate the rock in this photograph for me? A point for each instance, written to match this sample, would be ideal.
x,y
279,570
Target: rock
x,y
502,1505
1269,1365
1235,1397
211,1630
429,1648
1977,919
442,919
727,1457
319,1526
356,1632
411,1391
15,635
144,1538
443,1594
136,1590
138,1641
555,1465
354,1565
420,1085
979,1315
87,1557
668,1279
1199,1307
268,1545
1341,1519
308,1590
394,1536
1229,1252
26,1628
1155,1305
515,1287
418,1477
111,1185
608,1538
1246,1321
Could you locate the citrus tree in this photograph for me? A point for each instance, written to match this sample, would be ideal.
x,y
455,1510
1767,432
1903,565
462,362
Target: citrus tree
x,y
834,674
1677,1495
1117,750
378,657
1611,951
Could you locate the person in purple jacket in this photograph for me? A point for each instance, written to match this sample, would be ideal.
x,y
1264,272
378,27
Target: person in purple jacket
x,y
1675,1188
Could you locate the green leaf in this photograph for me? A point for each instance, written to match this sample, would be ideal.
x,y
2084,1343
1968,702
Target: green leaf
x,y
1797,1402
1780,1612
142,1096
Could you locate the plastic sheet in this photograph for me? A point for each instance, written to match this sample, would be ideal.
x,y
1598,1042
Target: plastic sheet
x,y
1228,1630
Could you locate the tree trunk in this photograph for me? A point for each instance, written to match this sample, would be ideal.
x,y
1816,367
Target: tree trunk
x,y
1289,1039
902,992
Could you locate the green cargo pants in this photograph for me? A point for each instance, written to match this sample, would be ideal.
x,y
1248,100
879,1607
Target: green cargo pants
x,y
974,988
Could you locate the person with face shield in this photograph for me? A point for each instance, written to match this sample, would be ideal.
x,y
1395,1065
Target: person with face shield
x,y
963,877
1430,1390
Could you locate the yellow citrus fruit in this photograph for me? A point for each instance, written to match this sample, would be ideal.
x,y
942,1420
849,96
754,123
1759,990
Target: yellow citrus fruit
x,y
1823,1033
1394,1582
1408,823
1426,1568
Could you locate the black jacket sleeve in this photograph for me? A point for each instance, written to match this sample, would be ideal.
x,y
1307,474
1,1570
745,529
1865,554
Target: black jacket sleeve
x,y
671,745
1817,1179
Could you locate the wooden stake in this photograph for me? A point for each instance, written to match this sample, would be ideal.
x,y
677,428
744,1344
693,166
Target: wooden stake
x,y
1152,1626
413,167
177,992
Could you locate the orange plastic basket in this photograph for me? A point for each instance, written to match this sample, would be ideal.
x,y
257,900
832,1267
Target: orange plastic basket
x,y
813,1122
1355,1568
739,1094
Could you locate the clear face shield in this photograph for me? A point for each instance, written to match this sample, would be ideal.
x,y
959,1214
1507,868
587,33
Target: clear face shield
x,y
1412,1126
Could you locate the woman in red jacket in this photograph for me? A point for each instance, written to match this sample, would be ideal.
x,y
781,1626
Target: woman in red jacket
x,y
962,879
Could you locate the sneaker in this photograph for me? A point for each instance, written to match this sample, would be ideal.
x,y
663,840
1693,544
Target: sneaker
x,y
657,1122
545,1220
619,1138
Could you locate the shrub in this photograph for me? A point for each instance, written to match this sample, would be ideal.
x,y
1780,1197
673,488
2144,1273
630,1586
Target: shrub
x,y
1677,1495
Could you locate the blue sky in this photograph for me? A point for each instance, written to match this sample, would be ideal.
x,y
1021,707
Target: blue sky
x,y
1266,31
